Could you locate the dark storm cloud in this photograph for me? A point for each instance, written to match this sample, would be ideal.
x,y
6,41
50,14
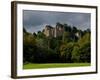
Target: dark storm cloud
x,y
36,20
32,18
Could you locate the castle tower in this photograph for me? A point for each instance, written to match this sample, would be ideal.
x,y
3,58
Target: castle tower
x,y
59,29
49,31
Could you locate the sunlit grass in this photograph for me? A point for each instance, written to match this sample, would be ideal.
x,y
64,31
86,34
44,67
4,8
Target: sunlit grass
x,y
53,65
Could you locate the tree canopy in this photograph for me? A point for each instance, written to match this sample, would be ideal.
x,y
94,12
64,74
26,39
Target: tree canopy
x,y
67,48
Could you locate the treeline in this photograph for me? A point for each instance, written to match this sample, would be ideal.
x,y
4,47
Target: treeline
x,y
72,47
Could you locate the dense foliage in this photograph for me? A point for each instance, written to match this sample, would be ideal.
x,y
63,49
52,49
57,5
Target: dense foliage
x,y
68,48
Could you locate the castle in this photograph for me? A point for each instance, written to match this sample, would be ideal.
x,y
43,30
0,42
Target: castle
x,y
57,31
50,31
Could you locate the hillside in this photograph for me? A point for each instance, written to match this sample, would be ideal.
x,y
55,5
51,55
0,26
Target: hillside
x,y
60,44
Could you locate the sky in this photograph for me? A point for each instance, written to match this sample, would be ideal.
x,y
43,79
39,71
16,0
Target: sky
x,y
34,21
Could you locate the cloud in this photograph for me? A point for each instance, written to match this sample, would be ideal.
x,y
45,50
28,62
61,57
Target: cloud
x,y
36,20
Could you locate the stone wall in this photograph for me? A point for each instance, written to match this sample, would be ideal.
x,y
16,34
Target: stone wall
x,y
50,31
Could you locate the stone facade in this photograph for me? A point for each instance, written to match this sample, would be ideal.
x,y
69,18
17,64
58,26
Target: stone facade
x,y
50,31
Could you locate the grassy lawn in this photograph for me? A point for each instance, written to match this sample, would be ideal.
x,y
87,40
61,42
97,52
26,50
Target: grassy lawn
x,y
53,65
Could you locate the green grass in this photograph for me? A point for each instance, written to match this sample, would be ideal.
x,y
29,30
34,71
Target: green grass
x,y
53,65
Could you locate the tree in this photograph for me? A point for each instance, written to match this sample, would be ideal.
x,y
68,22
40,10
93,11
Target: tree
x,y
76,54
34,35
67,48
85,48
40,34
85,39
29,45
67,28
24,30
74,29
59,24
66,52
67,37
